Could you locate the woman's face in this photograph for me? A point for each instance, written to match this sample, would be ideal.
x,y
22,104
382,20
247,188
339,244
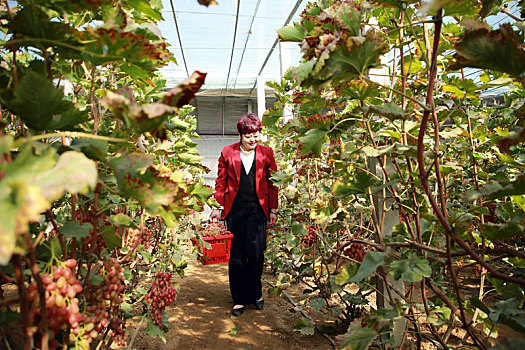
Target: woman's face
x,y
250,141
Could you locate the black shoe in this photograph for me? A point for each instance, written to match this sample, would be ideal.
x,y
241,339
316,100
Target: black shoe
x,y
259,304
238,311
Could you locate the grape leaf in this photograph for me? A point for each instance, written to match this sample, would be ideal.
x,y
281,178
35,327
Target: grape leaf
x,y
152,186
76,229
305,326
183,93
500,50
31,185
42,107
291,32
369,265
357,337
312,141
154,331
411,268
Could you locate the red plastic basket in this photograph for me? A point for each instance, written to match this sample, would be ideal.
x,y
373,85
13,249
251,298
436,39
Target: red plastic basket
x,y
219,252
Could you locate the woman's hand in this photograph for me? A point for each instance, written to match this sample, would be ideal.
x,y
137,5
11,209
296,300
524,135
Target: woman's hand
x,y
273,218
215,215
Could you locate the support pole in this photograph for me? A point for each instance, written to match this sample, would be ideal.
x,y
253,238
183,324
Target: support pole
x,y
386,220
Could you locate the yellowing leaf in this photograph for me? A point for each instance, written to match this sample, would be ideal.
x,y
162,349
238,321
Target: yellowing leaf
x,y
31,186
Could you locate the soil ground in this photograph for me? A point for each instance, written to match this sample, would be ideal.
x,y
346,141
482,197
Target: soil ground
x,y
201,318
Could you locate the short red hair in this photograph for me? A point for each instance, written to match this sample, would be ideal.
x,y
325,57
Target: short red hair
x,y
249,123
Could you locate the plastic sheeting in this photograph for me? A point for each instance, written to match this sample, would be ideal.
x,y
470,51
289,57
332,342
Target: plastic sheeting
x,y
207,35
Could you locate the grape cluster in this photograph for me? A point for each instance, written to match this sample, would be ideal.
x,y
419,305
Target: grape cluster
x,y
161,295
103,300
356,251
94,240
61,288
143,236
477,270
309,239
214,230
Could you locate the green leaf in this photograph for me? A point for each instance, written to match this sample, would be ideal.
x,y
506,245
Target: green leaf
x,y
301,72
305,326
360,53
42,107
93,149
389,110
369,265
357,337
312,141
317,304
32,23
501,231
299,228
75,229
121,219
347,272
500,50
127,308
360,183
233,331
111,238
361,90
291,32
462,89
201,191
411,268
140,118
144,7
494,190
488,6
153,187
154,331
106,44
507,290
401,4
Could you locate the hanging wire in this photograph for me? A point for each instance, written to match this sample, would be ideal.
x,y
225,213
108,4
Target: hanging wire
x,y
233,45
178,35
246,42
290,16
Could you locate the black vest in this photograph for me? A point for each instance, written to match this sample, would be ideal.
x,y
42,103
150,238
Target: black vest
x,y
247,194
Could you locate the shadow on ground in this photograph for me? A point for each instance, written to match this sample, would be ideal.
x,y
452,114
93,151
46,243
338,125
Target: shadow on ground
x,y
201,318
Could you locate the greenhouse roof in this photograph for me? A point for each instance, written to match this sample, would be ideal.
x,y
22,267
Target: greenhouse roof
x,y
233,42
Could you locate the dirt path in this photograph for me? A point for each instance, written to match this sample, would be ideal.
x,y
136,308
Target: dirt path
x,y
201,318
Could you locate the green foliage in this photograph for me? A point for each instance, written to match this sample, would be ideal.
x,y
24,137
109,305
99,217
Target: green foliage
x,y
41,106
411,268
369,265
358,337
499,50
386,194
99,175
30,186
305,326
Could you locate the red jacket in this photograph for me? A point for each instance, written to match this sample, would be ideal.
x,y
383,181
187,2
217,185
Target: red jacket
x,y
229,175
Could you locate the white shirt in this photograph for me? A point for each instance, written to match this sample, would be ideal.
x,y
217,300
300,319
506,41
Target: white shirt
x,y
247,159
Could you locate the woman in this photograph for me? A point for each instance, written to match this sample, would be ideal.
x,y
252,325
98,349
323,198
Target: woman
x,y
248,200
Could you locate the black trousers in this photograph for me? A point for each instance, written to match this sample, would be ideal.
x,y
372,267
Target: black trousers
x,y
248,226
